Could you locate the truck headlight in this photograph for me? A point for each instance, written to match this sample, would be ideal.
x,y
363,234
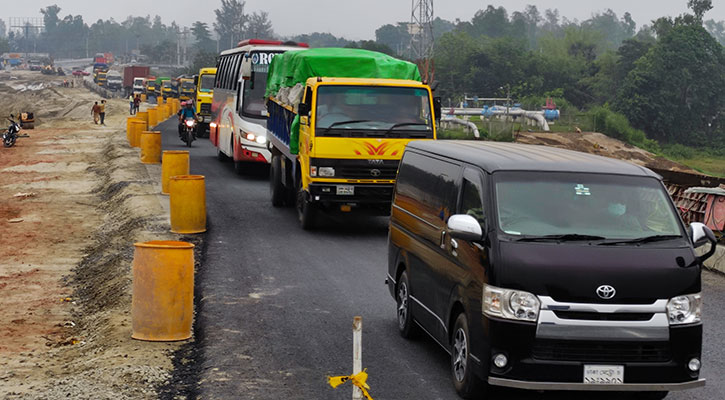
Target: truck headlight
x,y
510,304
686,309
261,139
326,171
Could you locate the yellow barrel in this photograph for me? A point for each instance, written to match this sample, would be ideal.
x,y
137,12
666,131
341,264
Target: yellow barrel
x,y
129,128
162,112
137,126
173,162
144,116
153,116
143,97
162,303
151,147
187,203
174,106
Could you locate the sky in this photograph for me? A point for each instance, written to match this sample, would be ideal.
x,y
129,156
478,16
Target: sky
x,y
351,19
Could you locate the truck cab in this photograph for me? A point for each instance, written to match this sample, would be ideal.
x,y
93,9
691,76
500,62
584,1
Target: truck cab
x,y
186,88
204,97
138,85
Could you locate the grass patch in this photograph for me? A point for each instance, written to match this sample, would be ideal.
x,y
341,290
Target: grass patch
x,y
706,161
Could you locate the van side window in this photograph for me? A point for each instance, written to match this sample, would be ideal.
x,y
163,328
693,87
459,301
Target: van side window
x,y
427,187
471,197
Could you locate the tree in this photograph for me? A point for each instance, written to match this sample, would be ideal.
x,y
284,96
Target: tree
x,y
674,91
259,26
395,37
372,46
202,36
50,17
699,8
231,22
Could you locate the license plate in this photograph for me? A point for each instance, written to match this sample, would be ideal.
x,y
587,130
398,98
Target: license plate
x,y
345,190
604,374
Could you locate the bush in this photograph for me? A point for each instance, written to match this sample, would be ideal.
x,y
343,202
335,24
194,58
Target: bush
x,y
617,126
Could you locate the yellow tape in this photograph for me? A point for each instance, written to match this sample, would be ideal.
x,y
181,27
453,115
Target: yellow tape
x,y
358,380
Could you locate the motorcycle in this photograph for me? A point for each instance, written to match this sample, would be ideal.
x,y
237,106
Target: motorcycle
x,y
11,135
189,131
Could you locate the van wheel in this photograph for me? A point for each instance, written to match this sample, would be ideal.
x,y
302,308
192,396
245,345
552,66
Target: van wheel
x,y
467,384
276,190
406,327
306,212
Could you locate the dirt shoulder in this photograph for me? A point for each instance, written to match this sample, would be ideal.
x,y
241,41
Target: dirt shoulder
x,y
73,200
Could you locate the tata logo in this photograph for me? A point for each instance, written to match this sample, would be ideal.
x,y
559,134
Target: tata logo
x,y
375,162
606,292
375,172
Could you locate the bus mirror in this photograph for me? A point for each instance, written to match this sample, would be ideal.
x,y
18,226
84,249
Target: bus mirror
x,y
437,107
246,69
303,109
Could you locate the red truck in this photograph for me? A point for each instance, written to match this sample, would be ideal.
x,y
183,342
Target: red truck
x,y
109,58
132,72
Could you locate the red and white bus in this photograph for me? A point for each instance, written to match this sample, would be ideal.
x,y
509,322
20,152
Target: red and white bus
x,y
239,116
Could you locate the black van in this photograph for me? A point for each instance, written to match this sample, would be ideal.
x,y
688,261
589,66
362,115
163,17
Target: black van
x,y
546,269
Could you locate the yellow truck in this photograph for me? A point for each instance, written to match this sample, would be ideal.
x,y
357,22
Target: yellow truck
x,y
203,99
339,120
187,89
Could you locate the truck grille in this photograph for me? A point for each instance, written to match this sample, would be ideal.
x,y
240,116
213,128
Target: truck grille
x,y
601,351
368,172
205,108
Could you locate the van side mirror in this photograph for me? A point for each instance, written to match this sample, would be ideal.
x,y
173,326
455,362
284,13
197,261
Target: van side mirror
x,y
464,227
701,234
303,109
437,107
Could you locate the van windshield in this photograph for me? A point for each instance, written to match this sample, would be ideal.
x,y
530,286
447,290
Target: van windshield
x,y
531,204
373,111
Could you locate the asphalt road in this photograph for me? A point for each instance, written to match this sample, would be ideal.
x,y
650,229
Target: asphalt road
x,y
275,304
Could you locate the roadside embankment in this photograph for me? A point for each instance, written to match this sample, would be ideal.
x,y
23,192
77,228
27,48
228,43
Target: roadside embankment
x,y
73,200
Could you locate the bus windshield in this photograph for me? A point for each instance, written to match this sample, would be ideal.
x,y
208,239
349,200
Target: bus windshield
x,y
373,111
206,83
253,97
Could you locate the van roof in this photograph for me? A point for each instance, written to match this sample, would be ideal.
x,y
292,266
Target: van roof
x,y
498,156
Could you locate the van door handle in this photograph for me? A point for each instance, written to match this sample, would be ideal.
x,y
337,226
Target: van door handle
x,y
443,240
454,244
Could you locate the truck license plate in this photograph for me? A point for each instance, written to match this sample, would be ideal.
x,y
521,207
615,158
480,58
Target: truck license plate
x,y
604,374
346,190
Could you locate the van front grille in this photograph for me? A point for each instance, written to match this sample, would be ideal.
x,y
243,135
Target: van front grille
x,y
562,350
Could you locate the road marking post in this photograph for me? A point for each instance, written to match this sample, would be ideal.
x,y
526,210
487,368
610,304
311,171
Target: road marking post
x,y
356,354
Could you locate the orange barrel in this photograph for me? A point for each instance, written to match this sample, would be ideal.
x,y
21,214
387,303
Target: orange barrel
x,y
150,147
144,116
129,129
137,126
162,303
153,116
173,162
187,203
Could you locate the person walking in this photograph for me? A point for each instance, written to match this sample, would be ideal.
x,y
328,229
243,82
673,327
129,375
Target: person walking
x,y
96,112
131,104
102,113
136,103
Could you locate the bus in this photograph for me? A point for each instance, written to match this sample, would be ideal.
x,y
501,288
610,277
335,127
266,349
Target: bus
x,y
238,125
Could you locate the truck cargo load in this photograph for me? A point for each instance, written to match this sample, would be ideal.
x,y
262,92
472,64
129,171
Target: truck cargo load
x,y
132,72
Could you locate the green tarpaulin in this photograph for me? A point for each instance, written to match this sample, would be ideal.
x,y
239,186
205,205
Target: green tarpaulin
x,y
293,67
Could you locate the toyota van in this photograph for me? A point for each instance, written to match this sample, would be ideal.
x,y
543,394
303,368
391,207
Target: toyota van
x,y
546,269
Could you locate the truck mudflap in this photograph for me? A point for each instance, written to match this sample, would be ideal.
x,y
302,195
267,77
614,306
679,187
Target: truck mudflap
x,y
347,197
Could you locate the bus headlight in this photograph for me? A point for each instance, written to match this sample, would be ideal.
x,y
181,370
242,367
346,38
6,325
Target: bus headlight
x,y
250,136
261,139
685,309
510,304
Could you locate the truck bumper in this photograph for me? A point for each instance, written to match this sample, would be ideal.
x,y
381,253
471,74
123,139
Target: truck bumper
x,y
371,198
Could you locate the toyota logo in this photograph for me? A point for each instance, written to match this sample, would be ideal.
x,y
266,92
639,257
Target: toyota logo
x,y
375,172
606,292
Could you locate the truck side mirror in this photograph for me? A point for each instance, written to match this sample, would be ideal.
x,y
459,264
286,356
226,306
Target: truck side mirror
x,y
437,107
434,86
303,109
196,80
701,234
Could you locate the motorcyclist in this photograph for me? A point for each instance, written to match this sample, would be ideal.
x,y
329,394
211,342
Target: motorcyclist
x,y
187,111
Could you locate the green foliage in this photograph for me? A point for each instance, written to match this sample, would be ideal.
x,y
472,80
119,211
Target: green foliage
x,y
371,45
617,126
320,39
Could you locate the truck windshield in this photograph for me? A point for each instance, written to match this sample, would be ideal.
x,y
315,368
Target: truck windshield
x,y
187,85
538,204
377,111
206,83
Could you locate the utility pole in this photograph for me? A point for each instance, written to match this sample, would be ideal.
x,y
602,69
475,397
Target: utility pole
x,y
421,37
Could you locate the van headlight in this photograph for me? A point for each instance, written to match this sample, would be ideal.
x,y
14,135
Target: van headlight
x,y
510,304
686,309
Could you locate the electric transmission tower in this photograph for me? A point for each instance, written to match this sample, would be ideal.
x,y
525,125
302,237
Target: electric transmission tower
x,y
421,37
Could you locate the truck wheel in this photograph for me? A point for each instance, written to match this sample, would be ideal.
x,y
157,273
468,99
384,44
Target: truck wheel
x,y
467,384
306,212
406,327
276,190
